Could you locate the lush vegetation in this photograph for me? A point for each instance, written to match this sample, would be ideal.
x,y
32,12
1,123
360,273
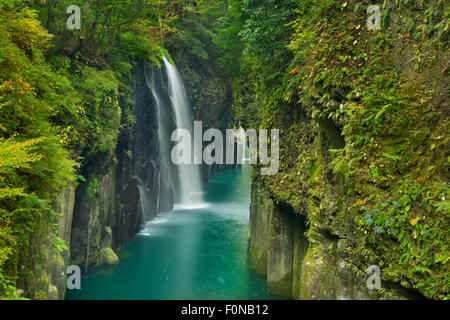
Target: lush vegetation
x,y
65,97
371,107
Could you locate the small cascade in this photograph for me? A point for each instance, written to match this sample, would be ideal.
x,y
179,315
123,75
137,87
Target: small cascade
x,y
144,200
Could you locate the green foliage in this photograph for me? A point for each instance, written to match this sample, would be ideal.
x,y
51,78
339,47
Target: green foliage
x,y
64,95
92,187
266,25
34,165
59,245
363,104
100,95
196,31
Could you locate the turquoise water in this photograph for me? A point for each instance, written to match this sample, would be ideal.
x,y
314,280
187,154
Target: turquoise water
x,y
187,254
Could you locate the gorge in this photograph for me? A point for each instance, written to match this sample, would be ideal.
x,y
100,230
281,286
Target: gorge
x,y
359,139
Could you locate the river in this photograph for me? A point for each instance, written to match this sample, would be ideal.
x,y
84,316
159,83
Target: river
x,y
199,253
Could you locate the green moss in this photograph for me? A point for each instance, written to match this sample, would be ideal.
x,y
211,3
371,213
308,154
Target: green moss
x,y
314,171
257,261
363,133
393,144
108,257
282,287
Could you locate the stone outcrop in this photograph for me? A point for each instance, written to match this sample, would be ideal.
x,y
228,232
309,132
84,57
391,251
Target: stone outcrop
x,y
64,207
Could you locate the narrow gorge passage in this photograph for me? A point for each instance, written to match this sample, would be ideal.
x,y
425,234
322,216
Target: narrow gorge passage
x,y
123,126
187,254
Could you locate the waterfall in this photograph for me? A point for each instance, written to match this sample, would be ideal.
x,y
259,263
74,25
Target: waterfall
x,y
161,107
154,80
189,175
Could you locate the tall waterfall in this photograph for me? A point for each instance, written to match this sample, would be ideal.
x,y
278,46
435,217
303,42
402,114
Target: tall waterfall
x,y
189,175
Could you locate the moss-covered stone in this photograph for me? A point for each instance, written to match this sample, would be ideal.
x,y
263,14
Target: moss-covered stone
x,y
108,257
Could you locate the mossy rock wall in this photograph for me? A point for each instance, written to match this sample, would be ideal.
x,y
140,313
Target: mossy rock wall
x,y
42,268
318,267
94,213
363,147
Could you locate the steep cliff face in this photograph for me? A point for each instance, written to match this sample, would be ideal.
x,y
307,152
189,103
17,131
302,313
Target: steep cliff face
x,y
42,263
277,244
94,215
127,194
297,266
363,151
64,206
108,207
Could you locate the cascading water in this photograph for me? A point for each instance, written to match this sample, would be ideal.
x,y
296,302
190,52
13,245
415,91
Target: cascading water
x,y
154,80
155,175
162,106
189,174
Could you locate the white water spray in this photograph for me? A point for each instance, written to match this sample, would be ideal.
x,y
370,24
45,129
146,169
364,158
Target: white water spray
x,y
189,175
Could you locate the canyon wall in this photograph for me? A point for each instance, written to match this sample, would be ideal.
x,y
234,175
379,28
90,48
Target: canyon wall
x,y
303,263
363,155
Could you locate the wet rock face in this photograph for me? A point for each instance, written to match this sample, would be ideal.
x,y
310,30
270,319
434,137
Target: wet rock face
x,y
298,268
276,244
326,275
126,198
294,267
145,149
64,205
94,211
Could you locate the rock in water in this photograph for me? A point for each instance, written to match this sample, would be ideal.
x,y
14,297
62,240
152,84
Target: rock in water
x,y
108,257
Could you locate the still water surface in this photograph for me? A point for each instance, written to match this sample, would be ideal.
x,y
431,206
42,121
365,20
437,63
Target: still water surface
x,y
195,253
